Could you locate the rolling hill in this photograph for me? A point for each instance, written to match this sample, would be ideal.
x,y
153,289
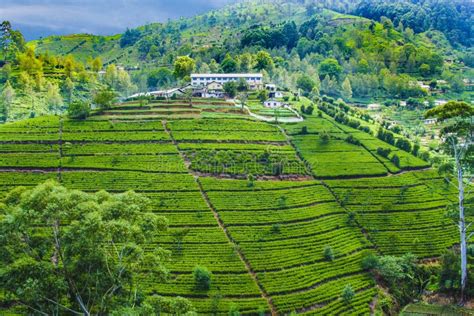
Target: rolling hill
x,y
260,215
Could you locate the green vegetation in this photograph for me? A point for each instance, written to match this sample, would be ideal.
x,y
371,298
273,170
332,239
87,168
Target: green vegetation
x,y
296,45
284,224
318,207
43,230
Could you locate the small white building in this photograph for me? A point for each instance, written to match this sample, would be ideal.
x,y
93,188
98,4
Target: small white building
x,y
159,93
423,85
214,90
273,92
272,103
167,93
431,121
255,80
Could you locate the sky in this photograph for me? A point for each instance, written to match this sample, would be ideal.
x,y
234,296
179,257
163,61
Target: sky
x,y
40,18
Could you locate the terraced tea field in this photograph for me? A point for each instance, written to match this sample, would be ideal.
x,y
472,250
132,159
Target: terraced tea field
x,y
255,203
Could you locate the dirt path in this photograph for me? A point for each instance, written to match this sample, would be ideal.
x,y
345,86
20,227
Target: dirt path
x,y
222,226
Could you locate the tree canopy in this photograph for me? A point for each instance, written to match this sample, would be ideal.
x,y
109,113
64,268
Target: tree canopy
x,y
42,231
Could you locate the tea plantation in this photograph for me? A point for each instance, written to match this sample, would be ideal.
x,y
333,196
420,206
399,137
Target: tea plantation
x,y
282,215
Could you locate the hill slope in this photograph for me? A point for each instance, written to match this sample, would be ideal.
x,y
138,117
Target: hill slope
x,y
264,237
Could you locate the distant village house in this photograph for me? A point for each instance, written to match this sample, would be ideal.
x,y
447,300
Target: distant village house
x,y
272,103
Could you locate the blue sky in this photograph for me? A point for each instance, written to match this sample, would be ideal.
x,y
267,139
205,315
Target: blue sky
x,y
37,18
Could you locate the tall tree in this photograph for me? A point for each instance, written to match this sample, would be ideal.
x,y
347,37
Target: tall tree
x,y
229,64
264,61
105,98
70,252
457,131
53,97
96,64
11,41
184,66
346,91
68,87
8,95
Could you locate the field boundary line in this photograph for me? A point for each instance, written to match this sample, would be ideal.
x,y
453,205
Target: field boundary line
x,y
221,224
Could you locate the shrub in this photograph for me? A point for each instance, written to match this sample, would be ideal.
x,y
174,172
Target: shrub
x,y
403,144
276,229
370,262
282,201
352,140
304,130
325,137
328,254
384,152
396,160
351,217
234,310
348,293
202,277
79,110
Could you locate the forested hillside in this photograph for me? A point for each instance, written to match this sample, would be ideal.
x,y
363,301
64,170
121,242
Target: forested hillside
x,y
298,36
296,45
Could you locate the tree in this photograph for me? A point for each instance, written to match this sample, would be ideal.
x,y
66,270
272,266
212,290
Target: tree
x,y
348,293
124,83
178,237
11,41
425,70
346,91
183,66
329,67
8,95
68,87
188,96
130,37
111,75
89,252
234,310
262,95
161,77
328,254
242,85
324,137
229,64
202,278
243,97
96,64
53,97
230,88
264,61
105,98
305,83
456,119
79,110
329,86
395,160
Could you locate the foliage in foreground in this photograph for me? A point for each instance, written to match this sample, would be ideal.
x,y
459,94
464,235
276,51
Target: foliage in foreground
x,y
68,251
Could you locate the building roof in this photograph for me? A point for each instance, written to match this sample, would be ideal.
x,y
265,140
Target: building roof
x,y
226,75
